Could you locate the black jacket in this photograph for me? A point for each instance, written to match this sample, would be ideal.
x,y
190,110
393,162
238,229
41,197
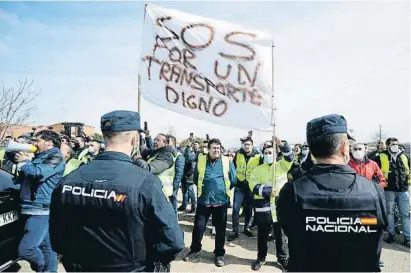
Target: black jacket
x,y
397,177
326,192
163,160
111,215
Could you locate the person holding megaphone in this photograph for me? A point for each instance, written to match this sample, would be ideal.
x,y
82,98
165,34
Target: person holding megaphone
x,y
38,177
12,147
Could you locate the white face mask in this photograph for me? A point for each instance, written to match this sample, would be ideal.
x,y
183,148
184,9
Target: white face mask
x,y
268,159
359,155
394,149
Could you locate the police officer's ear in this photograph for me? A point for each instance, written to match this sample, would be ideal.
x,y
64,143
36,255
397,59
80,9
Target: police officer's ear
x,y
345,147
134,139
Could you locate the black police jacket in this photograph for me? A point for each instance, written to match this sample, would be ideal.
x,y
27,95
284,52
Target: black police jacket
x,y
334,220
111,215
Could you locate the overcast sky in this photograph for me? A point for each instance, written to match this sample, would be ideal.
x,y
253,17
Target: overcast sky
x,y
331,57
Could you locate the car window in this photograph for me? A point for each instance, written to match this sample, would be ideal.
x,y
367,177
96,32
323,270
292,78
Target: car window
x,y
6,181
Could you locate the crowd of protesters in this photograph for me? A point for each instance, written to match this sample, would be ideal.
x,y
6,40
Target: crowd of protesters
x,y
193,171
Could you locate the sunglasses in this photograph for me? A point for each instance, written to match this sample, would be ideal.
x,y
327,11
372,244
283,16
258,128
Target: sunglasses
x,y
357,149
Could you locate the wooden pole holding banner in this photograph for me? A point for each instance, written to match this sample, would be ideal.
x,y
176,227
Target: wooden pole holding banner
x,y
139,78
273,110
138,153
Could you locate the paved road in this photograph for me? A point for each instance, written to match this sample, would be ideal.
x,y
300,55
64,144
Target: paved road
x,y
242,252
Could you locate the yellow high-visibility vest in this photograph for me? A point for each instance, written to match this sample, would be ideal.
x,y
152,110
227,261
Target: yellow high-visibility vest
x,y
167,177
71,165
244,168
263,175
385,165
201,167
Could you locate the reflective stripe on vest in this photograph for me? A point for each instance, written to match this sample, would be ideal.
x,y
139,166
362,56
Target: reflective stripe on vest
x,y
244,168
262,175
265,209
385,165
201,168
166,177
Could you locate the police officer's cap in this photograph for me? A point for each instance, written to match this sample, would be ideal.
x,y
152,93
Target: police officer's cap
x,y
121,121
327,125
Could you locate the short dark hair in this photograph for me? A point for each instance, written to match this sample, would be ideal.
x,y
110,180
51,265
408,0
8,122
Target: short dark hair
x,y
267,147
214,141
205,142
325,145
198,142
298,145
167,137
49,135
248,139
389,140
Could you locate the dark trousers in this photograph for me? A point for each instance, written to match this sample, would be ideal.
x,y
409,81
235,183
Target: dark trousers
x,y
280,245
242,195
203,213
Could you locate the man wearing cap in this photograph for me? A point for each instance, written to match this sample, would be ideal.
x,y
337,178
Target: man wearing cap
x,y
111,215
334,218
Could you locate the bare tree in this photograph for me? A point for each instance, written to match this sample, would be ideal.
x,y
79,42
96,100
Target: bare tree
x,y
379,134
16,104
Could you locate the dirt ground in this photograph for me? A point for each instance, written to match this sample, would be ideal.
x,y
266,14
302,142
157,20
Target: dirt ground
x,y
242,252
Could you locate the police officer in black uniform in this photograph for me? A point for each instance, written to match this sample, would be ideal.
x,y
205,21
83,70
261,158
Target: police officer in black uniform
x,y
334,218
111,215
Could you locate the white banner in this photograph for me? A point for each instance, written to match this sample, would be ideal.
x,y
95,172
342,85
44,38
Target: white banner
x,y
207,69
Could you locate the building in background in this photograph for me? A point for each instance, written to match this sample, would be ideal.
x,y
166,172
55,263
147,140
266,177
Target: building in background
x,y
17,130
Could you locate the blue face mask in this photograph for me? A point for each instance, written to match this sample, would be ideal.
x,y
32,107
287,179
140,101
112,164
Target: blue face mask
x,y
268,159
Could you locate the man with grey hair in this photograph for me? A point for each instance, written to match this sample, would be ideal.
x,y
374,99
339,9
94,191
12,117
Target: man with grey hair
x,y
364,166
71,162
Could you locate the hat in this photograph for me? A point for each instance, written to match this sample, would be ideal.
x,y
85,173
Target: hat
x,y
327,125
121,121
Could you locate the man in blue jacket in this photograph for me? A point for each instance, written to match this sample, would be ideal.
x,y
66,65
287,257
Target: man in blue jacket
x,y
38,178
214,176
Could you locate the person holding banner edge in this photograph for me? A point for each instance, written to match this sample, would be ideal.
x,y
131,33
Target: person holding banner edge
x,y
265,183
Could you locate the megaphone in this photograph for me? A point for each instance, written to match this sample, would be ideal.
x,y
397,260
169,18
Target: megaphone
x,y
13,146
